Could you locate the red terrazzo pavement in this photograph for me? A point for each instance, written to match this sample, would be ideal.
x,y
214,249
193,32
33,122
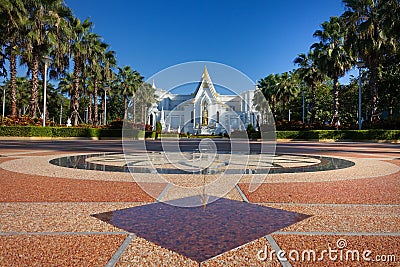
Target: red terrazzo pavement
x,y
18,187
378,190
381,247
63,250
88,249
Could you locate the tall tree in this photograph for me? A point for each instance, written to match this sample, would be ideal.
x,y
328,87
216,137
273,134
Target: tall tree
x,y
311,75
108,74
12,19
79,48
47,22
261,104
129,81
286,88
331,57
372,29
95,58
146,97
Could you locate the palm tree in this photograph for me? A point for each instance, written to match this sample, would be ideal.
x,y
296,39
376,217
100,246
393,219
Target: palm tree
x,y
95,58
129,81
372,32
47,20
79,48
146,97
100,63
286,88
12,18
260,103
311,75
268,87
331,57
108,74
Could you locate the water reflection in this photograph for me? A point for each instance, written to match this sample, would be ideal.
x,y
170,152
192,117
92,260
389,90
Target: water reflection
x,y
219,166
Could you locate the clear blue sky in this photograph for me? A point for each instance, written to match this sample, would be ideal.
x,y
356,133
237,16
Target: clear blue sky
x,y
257,37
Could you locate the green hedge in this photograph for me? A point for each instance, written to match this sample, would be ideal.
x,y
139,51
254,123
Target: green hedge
x,y
340,135
205,136
25,131
150,135
168,135
38,131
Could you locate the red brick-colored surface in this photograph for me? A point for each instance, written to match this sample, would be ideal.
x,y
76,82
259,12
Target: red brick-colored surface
x,y
378,190
18,187
64,234
58,250
382,248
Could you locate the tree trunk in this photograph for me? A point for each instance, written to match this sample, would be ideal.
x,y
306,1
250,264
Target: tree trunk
x,y
95,105
373,81
103,106
33,103
125,107
274,108
142,115
134,108
75,94
13,80
283,108
90,119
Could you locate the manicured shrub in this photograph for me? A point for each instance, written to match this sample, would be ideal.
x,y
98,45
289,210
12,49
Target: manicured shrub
x,y
108,132
116,124
70,132
158,127
340,135
132,133
356,135
239,134
255,135
150,135
25,131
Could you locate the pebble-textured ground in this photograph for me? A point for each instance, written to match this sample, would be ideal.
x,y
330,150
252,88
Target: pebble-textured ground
x,y
345,250
58,250
382,190
46,211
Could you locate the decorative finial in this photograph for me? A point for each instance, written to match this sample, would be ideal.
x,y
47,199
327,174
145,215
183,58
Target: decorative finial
x,y
205,72
153,85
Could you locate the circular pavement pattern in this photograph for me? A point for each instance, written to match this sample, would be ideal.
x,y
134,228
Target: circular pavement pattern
x,y
139,163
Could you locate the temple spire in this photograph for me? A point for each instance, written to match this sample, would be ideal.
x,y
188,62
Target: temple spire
x,y
153,85
205,72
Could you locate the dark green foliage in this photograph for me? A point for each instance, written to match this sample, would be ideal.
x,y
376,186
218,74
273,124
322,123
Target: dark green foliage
x,y
150,135
25,131
116,124
355,135
38,131
250,128
158,127
255,135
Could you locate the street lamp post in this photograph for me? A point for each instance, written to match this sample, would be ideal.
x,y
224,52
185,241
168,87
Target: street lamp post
x,y
46,61
303,105
4,100
105,105
360,65
61,110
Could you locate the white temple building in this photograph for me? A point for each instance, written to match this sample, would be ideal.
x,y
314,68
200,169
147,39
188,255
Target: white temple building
x,y
205,111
